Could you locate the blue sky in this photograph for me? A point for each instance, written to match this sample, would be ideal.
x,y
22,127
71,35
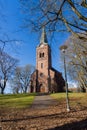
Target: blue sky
x,y
25,49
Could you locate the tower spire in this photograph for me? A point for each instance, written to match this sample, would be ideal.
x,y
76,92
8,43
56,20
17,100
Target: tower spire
x,y
43,39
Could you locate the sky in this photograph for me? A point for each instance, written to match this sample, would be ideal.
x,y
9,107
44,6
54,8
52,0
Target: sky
x,y
25,47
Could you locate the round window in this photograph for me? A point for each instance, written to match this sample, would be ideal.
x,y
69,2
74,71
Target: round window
x,y
41,74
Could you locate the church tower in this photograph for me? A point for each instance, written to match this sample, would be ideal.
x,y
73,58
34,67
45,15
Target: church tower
x,y
43,64
45,78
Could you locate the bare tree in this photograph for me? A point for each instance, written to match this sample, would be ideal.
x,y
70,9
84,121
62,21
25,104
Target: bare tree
x,y
21,78
57,15
16,81
76,57
7,66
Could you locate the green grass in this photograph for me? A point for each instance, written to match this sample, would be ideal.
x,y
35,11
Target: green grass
x,y
58,96
75,99
16,100
71,95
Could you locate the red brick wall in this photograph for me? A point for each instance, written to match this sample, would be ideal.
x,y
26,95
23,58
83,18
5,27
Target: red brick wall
x,y
43,64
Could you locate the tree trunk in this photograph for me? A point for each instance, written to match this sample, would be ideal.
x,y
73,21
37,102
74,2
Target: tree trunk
x,y
2,90
3,87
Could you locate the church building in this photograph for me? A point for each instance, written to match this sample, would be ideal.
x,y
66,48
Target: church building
x,y
45,78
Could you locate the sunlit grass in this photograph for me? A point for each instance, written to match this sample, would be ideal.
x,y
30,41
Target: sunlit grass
x,y
71,95
75,99
58,95
16,100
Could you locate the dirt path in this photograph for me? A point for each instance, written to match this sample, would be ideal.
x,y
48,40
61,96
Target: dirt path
x,y
43,102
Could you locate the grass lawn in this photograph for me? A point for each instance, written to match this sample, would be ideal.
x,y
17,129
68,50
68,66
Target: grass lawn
x,y
75,99
16,100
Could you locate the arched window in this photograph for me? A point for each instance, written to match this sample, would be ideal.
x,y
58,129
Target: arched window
x,y
40,55
43,54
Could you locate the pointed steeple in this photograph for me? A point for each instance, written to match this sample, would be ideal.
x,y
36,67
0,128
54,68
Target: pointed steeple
x,y
43,39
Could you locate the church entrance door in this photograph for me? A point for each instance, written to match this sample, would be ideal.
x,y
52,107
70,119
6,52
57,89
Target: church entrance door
x,y
42,88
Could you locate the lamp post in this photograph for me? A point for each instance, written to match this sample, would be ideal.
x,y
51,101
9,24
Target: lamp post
x,y
63,49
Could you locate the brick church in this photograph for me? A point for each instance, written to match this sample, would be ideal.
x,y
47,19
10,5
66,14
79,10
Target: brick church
x,y
45,78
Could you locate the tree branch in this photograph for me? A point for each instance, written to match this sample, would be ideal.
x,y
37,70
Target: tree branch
x,y
76,11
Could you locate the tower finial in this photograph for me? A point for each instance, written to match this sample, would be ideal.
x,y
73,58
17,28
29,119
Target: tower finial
x,y
43,39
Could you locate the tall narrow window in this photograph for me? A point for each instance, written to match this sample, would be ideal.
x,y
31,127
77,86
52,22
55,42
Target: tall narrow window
x,y
42,54
41,65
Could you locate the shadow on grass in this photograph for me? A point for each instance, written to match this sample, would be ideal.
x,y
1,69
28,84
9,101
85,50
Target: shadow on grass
x,y
80,125
60,115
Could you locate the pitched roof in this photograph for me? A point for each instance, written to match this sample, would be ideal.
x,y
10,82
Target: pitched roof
x,y
55,70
